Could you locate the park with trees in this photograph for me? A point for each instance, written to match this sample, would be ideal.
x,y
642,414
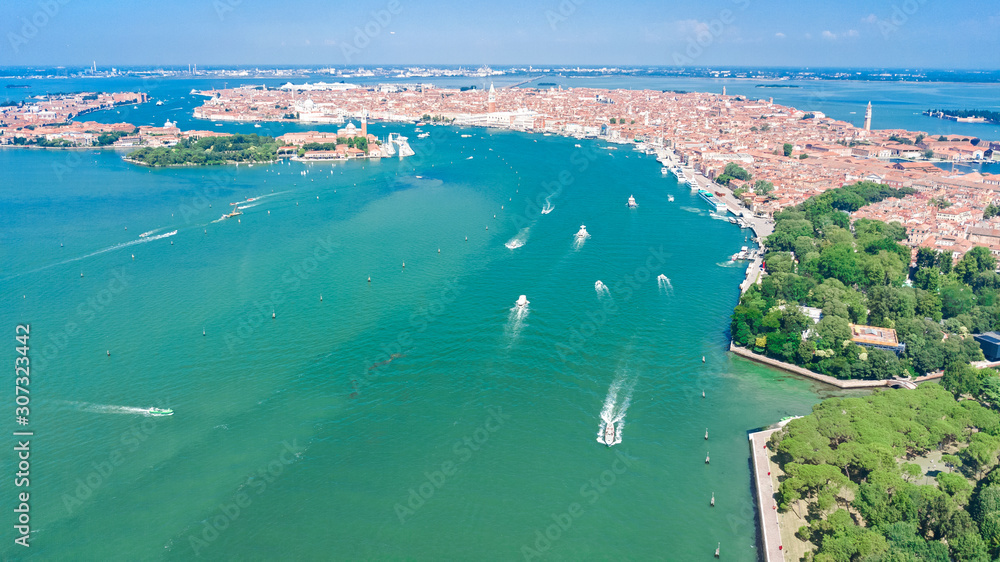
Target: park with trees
x,y
208,151
859,273
857,471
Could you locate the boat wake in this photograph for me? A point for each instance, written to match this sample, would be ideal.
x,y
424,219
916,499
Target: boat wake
x,y
519,239
548,207
616,405
141,240
694,210
663,282
106,408
515,320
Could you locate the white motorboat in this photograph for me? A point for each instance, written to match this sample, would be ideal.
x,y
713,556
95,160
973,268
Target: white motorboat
x,y
522,302
582,233
631,202
609,434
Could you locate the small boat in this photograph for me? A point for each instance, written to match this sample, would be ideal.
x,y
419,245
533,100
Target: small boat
x,y
609,434
664,170
582,233
159,102
160,412
256,125
631,202
670,198
600,286
522,302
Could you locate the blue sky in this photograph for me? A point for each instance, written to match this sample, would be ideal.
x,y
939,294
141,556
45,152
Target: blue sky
x,y
872,33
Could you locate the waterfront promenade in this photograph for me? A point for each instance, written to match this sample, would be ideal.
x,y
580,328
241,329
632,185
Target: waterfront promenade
x,y
770,532
762,227
826,379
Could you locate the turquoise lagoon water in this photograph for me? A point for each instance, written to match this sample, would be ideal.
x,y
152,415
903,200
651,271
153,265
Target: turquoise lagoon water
x,y
414,416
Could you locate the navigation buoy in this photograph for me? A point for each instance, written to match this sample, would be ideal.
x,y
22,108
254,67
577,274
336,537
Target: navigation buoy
x,y
404,264
81,274
171,242
133,257
466,238
439,250
321,298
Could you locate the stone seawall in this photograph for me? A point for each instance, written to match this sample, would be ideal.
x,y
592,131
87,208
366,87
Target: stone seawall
x,y
849,383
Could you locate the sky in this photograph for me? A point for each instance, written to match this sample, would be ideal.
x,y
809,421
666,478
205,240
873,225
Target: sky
x,y
960,34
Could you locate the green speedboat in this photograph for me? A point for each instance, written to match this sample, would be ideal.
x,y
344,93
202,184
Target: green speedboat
x,y
161,412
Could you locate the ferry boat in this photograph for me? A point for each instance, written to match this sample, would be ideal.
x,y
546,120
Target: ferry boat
x,y
631,202
712,200
160,412
582,233
609,434
522,302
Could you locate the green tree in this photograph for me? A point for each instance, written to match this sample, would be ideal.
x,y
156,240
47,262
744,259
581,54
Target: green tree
x,y
991,211
788,148
762,187
736,171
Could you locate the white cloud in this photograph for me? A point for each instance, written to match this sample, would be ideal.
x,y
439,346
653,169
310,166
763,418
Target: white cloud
x,y
870,18
829,35
851,33
779,35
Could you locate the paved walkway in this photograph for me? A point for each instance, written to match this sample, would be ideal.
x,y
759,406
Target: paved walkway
x,y
766,505
839,383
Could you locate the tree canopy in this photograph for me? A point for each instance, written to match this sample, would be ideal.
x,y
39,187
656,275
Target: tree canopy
x,y
851,471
